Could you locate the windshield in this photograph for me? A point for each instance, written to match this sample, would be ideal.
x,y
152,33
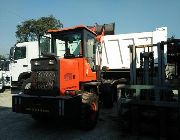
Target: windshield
x,y
62,44
19,53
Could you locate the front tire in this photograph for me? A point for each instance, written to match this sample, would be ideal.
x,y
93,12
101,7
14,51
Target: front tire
x,y
89,111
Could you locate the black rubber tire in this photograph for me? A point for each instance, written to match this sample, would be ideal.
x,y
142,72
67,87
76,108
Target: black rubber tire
x,y
2,90
107,96
89,111
41,118
37,117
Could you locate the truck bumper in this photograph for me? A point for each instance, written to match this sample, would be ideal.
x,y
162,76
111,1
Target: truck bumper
x,y
59,106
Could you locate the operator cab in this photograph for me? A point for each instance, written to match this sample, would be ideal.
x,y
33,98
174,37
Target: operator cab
x,y
73,42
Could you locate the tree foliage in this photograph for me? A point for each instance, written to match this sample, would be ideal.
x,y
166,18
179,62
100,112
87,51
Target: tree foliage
x,y
29,30
2,56
171,38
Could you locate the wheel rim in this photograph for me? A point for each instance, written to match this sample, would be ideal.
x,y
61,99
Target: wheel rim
x,y
27,86
93,111
94,107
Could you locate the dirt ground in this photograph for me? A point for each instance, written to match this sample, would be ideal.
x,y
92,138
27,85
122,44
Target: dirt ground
x,y
15,126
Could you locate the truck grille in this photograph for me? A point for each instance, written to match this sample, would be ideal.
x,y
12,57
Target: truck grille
x,y
44,79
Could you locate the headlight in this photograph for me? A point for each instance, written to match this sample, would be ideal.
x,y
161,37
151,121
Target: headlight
x,y
36,63
51,62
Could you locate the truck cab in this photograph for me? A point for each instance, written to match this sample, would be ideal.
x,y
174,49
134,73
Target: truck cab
x,y
20,56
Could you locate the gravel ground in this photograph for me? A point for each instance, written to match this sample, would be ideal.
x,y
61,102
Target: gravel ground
x,y
15,126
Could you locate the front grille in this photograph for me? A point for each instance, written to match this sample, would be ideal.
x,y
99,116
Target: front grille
x,y
44,79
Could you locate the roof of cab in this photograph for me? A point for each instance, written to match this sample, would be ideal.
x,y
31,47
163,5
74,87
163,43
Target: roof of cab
x,y
71,28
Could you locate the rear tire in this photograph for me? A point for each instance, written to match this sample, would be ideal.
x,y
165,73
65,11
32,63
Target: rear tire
x,y
89,111
107,95
40,118
37,117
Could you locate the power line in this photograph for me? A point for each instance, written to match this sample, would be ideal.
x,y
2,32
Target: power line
x,y
15,14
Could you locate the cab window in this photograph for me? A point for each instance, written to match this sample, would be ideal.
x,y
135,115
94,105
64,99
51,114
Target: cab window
x,y
90,44
20,53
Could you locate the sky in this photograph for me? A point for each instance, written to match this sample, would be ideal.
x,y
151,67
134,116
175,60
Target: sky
x,y
129,15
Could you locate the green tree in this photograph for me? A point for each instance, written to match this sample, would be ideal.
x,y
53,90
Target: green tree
x,y
2,56
171,38
29,30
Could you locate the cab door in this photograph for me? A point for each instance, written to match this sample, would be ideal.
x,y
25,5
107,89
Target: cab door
x,y
19,63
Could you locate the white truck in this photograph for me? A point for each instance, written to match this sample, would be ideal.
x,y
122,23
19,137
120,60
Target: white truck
x,y
115,48
20,55
115,56
5,76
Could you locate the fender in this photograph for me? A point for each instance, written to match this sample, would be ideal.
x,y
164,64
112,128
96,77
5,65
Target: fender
x,y
23,76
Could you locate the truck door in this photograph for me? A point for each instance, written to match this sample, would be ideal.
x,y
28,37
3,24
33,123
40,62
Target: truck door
x,y
19,63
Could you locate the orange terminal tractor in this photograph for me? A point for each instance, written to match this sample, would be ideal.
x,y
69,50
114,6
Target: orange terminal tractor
x,y
64,80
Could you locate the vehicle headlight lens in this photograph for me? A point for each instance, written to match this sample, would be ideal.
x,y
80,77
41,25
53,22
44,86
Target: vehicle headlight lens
x,y
36,63
51,62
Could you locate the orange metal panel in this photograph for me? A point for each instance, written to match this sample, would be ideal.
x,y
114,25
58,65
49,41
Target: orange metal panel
x,y
69,75
85,72
73,71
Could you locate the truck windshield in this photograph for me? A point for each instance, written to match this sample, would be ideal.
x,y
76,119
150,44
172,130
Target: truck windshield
x,y
19,53
62,44
69,44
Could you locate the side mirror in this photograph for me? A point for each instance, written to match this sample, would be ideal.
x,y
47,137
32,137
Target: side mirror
x,y
14,61
94,49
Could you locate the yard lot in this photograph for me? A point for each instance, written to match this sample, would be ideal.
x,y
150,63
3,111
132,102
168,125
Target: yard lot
x,y
15,126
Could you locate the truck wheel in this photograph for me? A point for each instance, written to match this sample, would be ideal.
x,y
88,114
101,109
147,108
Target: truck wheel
x,y
40,118
107,96
26,84
89,111
37,117
2,90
